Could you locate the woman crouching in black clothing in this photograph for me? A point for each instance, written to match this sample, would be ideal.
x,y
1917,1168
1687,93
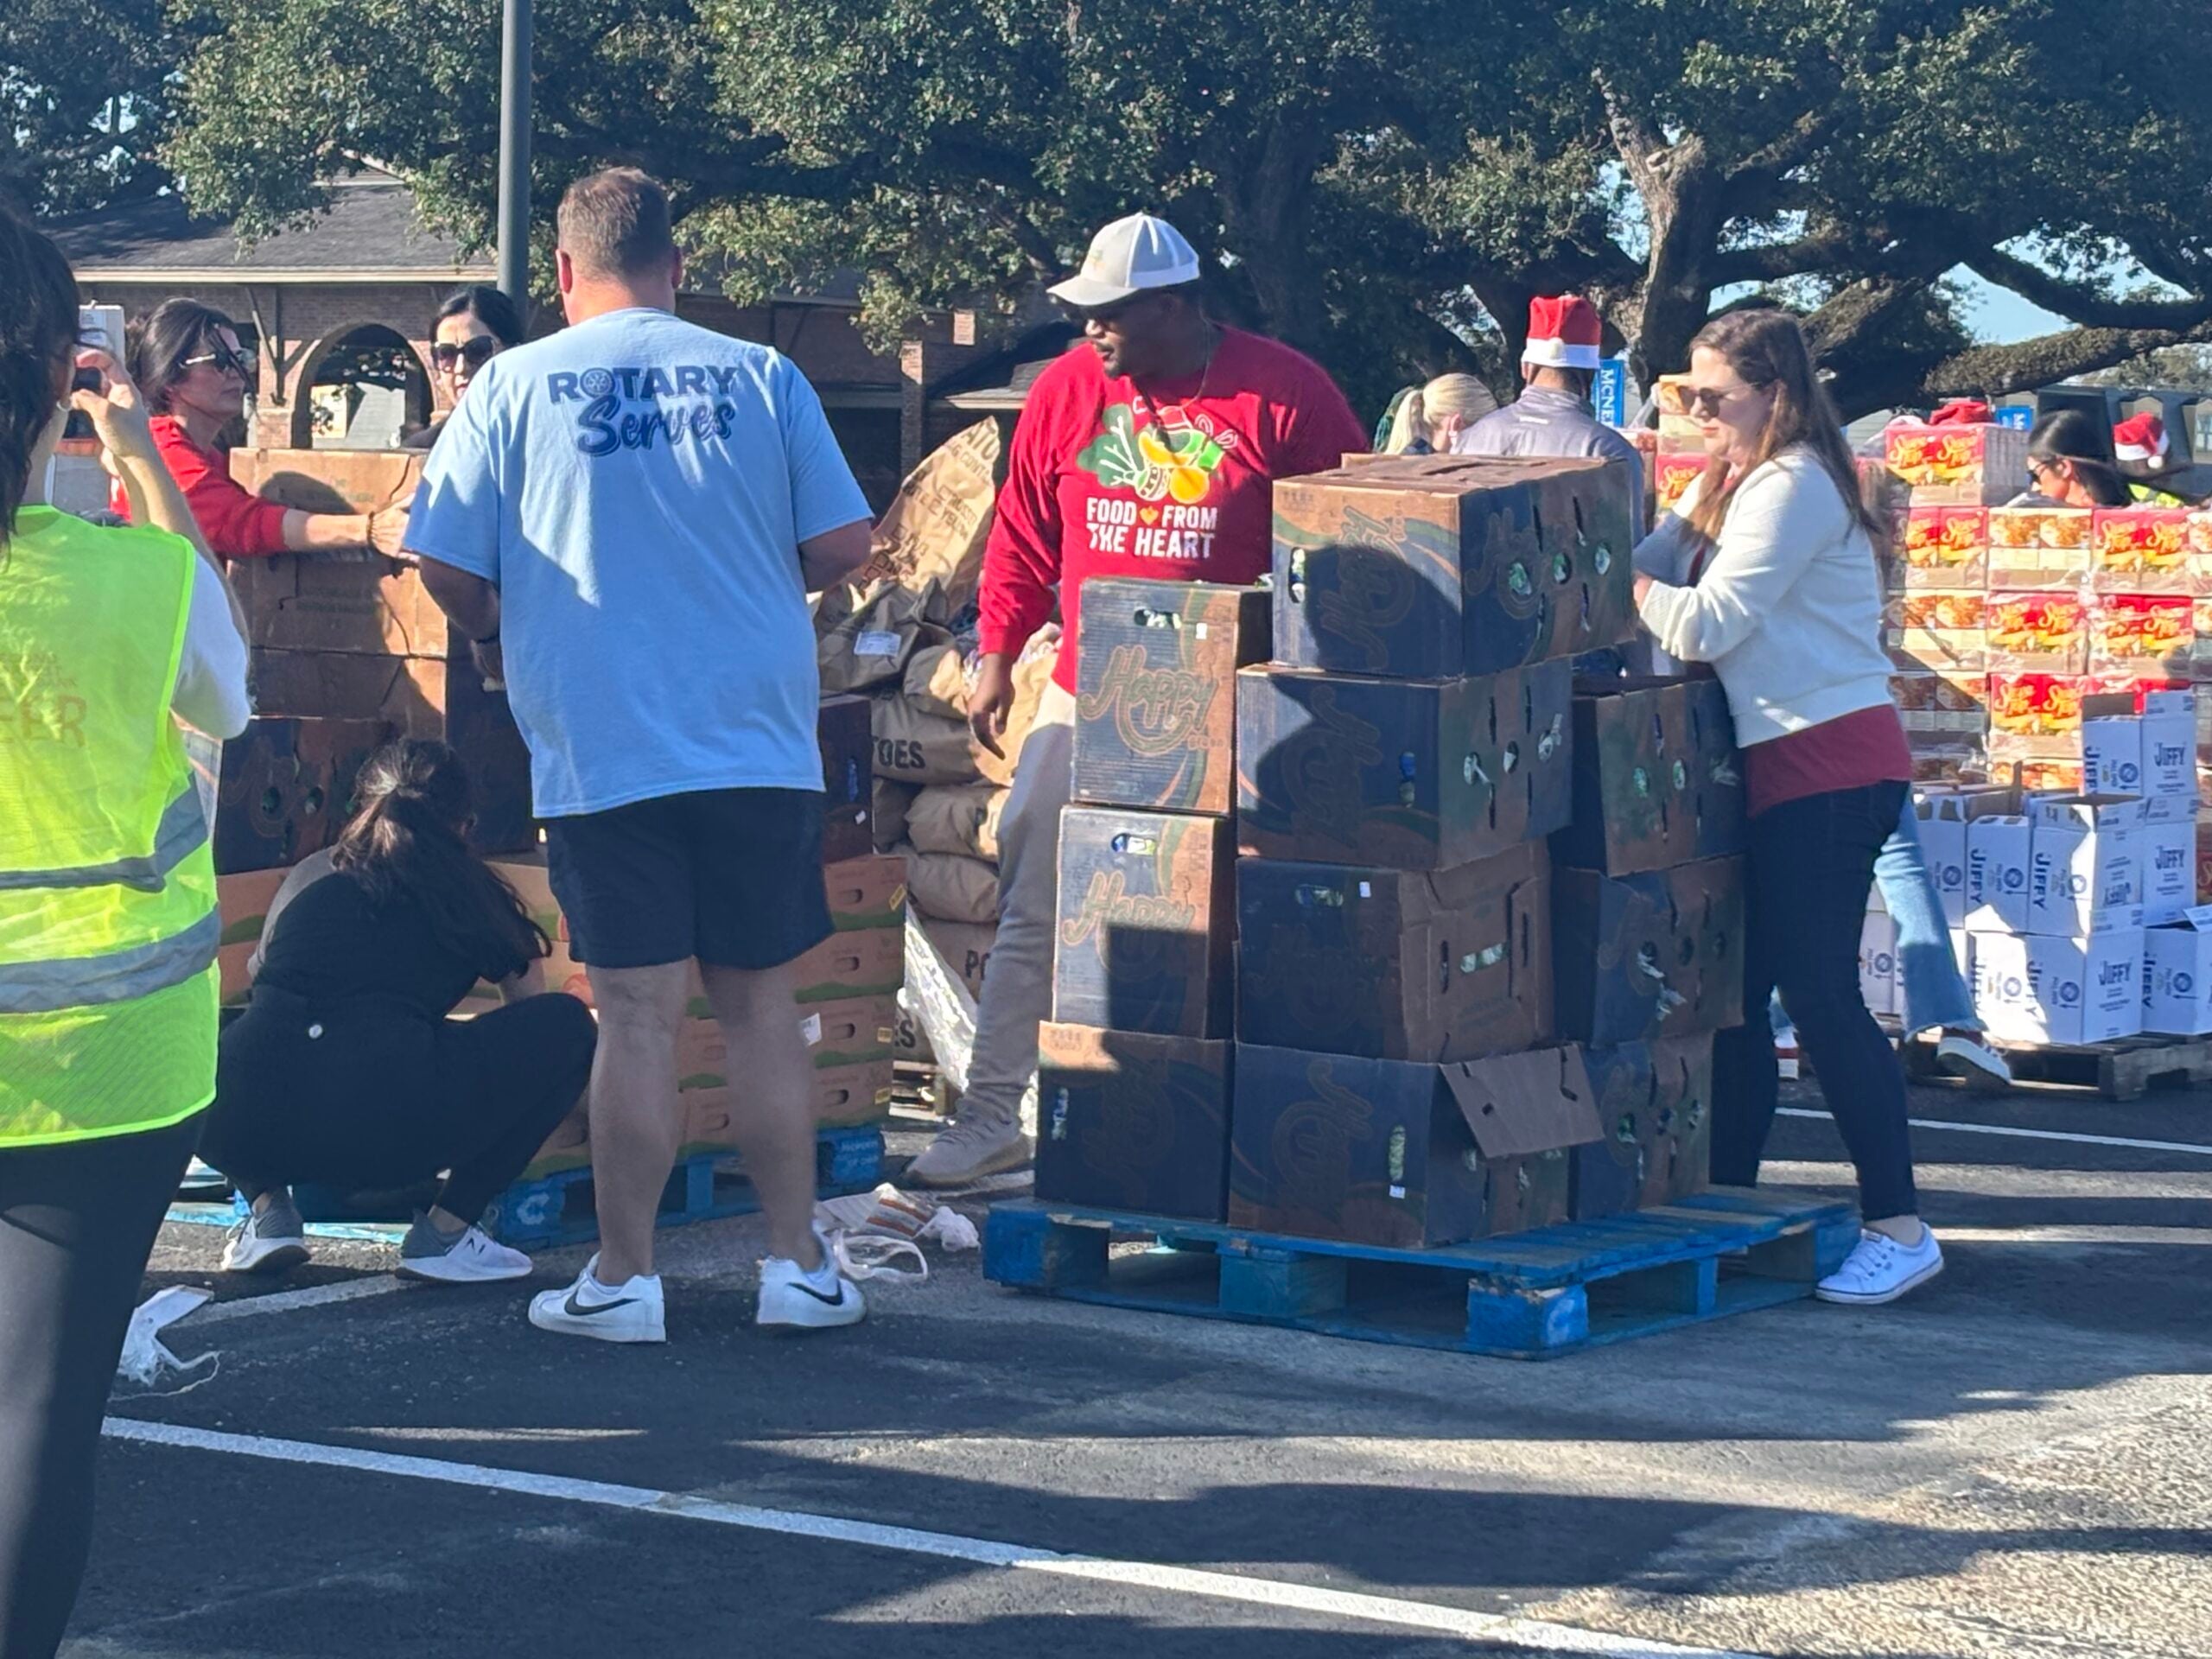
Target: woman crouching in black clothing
x,y
344,1067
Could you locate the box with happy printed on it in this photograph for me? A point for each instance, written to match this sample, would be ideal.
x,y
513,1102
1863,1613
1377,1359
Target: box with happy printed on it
x,y
2085,865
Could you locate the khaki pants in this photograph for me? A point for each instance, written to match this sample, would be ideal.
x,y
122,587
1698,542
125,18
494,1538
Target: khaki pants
x,y
1018,979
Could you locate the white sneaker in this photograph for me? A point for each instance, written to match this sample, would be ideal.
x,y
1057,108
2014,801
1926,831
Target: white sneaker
x,y
474,1258
1879,1270
969,1148
632,1312
266,1243
793,1299
1964,1055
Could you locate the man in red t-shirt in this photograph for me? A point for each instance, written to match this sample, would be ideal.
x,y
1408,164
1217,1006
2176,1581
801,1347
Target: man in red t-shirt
x,y
1150,450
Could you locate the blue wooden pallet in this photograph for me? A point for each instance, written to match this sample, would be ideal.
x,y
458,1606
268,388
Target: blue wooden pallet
x,y
561,1209
1534,1295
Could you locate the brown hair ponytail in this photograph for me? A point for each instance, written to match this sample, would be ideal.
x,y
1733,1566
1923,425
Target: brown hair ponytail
x,y
38,339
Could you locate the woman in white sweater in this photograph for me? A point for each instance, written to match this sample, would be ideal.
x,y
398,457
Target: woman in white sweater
x,y
1766,571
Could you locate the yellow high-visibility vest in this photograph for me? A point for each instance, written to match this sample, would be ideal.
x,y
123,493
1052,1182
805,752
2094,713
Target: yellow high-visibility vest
x,y
108,924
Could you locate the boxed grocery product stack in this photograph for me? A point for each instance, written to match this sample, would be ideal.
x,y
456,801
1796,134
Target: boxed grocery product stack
x,y
1133,1087
1648,929
1398,1078
355,638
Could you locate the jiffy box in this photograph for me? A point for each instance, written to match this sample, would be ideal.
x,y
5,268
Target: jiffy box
x,y
2151,753
2178,975
1996,898
2168,872
2085,871
1877,962
2046,990
1944,815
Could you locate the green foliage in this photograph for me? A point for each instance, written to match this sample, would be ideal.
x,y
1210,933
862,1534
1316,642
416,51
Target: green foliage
x,y
1384,182
85,94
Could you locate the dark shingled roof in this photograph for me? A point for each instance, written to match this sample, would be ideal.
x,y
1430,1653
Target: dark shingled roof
x,y
370,232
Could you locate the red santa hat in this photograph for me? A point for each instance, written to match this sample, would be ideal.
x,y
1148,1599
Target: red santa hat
x,y
1963,412
1562,333
2140,439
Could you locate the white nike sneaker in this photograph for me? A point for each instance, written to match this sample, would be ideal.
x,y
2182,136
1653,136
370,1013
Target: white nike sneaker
x,y
792,1299
269,1243
1879,1270
632,1312
474,1258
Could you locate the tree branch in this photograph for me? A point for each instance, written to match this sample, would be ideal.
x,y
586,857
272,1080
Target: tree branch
x,y
2027,363
2088,306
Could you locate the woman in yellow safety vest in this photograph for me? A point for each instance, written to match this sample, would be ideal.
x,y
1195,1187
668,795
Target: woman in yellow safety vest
x,y
108,638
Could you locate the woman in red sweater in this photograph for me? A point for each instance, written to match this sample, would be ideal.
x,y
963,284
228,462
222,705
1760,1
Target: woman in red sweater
x,y
193,376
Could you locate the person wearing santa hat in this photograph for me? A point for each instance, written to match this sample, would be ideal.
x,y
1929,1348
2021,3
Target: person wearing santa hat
x,y
2141,441
2067,465
1553,416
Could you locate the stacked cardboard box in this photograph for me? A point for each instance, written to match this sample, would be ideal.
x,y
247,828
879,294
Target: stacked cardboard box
x,y
1133,1084
357,638
2003,619
1398,1078
2050,893
1649,929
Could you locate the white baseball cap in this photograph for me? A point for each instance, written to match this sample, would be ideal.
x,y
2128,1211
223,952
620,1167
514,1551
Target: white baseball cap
x,y
1129,256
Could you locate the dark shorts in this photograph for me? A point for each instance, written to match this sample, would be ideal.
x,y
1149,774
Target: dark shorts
x,y
730,876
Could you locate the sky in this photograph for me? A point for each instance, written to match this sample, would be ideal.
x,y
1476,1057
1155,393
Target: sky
x,y
1999,316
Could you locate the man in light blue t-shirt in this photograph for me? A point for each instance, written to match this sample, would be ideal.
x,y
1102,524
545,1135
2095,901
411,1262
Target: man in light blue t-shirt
x,y
626,519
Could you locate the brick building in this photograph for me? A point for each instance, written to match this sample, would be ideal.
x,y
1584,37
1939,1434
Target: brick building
x,y
361,282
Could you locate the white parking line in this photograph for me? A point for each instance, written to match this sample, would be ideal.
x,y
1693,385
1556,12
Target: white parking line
x,y
289,1301
2201,1150
1543,1636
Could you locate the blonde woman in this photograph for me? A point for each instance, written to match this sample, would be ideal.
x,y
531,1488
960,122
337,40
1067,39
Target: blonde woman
x,y
1766,571
1426,420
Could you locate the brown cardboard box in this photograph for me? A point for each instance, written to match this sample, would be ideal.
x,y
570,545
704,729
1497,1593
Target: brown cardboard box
x,y
330,480
858,1031
1404,1155
1659,954
1146,923
1132,1121
568,1148
1393,965
286,788
1654,1108
867,892
1658,778
242,901
444,698
1429,567
865,961
361,603
1405,775
846,1097
1156,691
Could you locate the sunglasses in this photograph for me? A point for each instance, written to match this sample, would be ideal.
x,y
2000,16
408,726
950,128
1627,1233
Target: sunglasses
x,y
1702,401
476,353
225,360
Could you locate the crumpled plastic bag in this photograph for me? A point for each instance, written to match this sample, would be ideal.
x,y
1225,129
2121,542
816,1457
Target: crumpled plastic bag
x,y
145,1361
871,1234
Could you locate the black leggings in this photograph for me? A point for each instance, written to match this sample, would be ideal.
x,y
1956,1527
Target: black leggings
x,y
369,1096
76,1223
1812,865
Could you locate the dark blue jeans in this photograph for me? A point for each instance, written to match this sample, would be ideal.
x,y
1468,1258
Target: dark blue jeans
x,y
1812,864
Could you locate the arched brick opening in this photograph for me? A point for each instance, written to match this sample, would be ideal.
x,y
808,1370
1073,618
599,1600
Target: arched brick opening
x,y
365,352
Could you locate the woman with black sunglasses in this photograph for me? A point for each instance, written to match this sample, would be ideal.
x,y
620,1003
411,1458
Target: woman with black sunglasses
x,y
473,325
188,363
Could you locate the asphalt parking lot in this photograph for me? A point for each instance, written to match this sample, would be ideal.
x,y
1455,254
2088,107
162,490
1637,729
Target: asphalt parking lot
x,y
2015,1462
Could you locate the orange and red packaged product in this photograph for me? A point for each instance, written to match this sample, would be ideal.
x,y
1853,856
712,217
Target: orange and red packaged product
x,y
2139,551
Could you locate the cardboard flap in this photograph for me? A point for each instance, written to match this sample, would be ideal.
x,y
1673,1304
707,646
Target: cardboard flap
x,y
1529,1102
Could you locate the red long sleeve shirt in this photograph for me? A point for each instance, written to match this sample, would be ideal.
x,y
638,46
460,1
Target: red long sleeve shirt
x,y
237,523
1174,481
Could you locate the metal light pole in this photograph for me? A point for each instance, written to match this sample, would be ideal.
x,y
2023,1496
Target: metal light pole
x,y
514,152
